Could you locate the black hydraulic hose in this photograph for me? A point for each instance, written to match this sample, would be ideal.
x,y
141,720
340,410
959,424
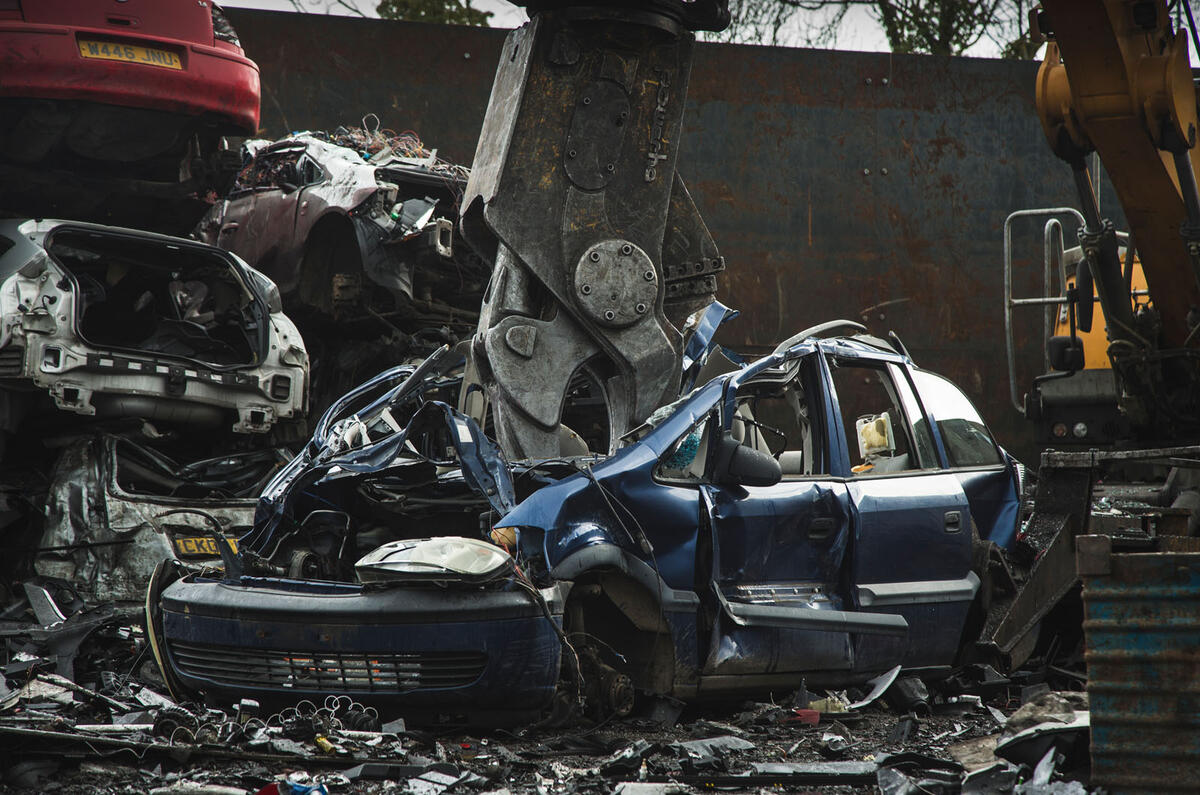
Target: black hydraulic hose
x,y
1187,185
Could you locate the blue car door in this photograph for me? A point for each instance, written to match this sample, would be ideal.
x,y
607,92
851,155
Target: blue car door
x,y
912,548
986,473
778,552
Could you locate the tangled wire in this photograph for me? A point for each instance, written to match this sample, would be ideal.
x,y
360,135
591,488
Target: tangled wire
x,y
369,140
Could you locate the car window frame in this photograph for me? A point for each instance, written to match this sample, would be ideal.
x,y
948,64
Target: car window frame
x,y
904,371
798,368
1001,462
879,365
321,174
656,474
272,152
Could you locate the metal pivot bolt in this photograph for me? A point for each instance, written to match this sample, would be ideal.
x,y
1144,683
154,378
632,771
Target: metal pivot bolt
x,y
615,283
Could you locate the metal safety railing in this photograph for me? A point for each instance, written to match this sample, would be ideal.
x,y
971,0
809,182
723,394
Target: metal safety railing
x,y
1054,258
1052,250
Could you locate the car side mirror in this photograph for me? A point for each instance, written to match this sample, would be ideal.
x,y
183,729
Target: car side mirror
x,y
740,465
1066,353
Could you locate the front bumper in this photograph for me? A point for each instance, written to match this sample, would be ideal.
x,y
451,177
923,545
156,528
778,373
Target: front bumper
x,y
456,654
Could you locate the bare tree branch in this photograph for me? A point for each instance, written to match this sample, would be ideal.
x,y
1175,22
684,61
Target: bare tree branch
x,y
944,27
348,7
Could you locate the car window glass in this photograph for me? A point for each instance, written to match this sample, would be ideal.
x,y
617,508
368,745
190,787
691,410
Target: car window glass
x,y
271,170
776,418
967,439
926,451
878,435
310,172
685,458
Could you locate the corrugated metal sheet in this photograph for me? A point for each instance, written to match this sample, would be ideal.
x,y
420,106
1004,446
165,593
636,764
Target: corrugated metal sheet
x,y
1142,623
832,181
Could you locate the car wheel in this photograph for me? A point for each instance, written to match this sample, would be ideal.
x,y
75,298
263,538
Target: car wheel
x,y
622,643
331,274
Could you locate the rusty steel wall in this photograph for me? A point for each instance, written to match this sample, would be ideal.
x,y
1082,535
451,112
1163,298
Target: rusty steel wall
x,y
1142,624
832,181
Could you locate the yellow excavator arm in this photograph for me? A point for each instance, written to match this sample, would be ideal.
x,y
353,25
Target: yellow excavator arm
x,y
1116,80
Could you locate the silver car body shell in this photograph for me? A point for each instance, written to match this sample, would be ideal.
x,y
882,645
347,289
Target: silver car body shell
x,y
107,541
40,341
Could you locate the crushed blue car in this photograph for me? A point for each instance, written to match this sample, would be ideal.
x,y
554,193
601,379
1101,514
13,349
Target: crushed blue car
x,y
817,514
332,591
823,513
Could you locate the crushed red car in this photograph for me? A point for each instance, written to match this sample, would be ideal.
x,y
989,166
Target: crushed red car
x,y
109,109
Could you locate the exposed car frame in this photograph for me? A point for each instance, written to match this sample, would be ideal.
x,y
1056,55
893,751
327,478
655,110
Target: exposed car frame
x,y
346,236
284,622
65,332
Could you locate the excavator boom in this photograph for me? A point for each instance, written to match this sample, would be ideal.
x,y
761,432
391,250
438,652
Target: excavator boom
x,y
1116,80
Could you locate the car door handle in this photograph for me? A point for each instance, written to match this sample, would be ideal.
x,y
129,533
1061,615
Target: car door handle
x,y
820,528
953,521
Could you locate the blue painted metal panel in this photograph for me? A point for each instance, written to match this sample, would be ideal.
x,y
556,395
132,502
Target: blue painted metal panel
x,y
995,503
522,654
1142,624
764,533
901,536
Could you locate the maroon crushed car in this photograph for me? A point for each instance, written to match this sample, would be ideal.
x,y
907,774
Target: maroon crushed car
x,y
358,230
116,110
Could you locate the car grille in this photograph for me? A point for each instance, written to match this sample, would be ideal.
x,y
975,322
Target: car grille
x,y
306,670
12,361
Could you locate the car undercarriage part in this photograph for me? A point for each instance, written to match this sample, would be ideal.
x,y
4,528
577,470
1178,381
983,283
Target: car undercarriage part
x,y
609,692
598,251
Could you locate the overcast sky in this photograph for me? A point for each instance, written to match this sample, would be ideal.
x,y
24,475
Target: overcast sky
x,y
858,32
504,15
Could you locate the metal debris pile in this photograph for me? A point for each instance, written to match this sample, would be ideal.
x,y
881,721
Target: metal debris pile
x,y
896,733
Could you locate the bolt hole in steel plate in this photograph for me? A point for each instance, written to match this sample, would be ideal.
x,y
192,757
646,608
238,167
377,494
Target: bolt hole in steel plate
x,y
611,285
596,135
